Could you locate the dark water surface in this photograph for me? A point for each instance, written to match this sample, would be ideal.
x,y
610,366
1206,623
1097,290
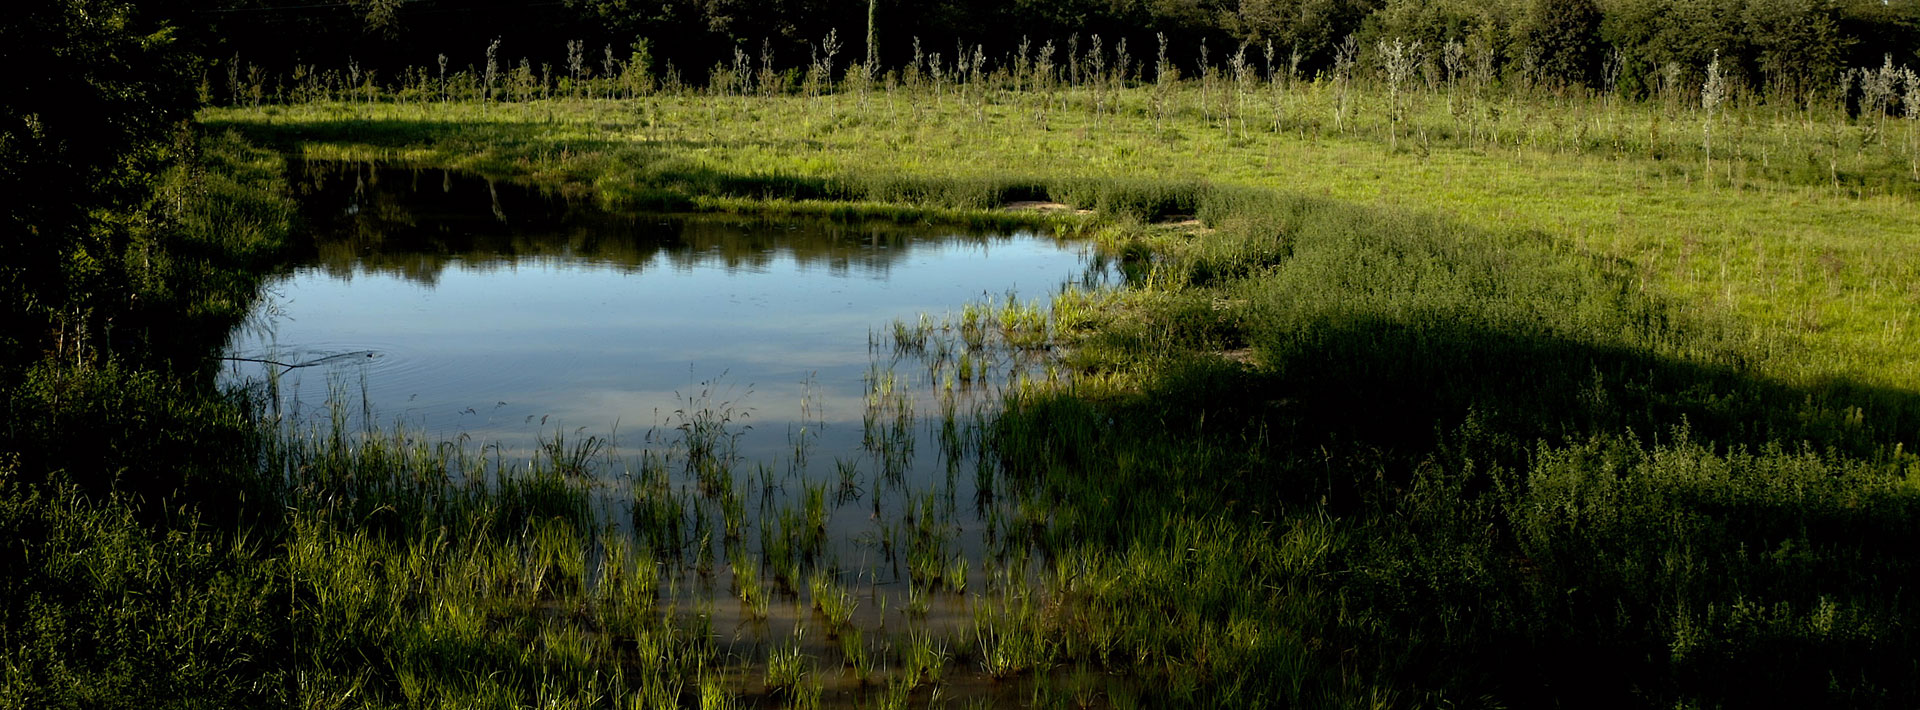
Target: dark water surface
x,y
453,306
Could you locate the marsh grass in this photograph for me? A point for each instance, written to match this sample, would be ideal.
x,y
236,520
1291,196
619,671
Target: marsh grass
x,y
1471,425
833,602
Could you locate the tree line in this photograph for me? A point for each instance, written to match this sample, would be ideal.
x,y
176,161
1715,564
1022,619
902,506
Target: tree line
x,y
1769,46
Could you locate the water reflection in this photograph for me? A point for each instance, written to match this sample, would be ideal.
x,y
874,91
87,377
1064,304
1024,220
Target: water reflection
x,y
777,413
502,313
416,223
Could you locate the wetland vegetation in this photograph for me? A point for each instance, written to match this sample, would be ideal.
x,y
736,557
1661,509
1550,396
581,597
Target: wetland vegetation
x,y
1437,371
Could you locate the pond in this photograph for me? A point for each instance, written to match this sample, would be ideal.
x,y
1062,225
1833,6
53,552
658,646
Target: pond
x,y
838,373
454,306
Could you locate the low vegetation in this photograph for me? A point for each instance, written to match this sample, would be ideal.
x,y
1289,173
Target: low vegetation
x,y
1415,394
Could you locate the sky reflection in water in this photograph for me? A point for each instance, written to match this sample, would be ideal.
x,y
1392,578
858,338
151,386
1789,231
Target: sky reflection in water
x,y
504,314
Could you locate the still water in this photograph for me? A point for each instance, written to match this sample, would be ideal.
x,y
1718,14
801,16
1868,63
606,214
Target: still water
x,y
448,307
456,307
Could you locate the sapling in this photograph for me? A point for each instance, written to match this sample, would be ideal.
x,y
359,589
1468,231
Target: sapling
x,y
1164,76
937,76
1206,82
1482,69
962,73
1344,58
742,72
860,80
829,48
610,68
256,84
1453,60
1277,84
670,79
769,78
1429,72
576,63
1530,73
303,83
961,58
1043,66
1022,63
233,80
1670,83
1399,60
1615,65
980,92
1043,80
1073,60
1096,75
916,71
1713,93
1911,104
493,68
1273,92
1242,82
1878,90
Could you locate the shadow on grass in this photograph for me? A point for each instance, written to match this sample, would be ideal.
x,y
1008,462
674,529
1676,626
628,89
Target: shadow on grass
x,y
1534,483
1543,488
1527,519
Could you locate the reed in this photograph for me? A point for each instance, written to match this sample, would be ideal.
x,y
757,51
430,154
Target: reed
x,y
833,602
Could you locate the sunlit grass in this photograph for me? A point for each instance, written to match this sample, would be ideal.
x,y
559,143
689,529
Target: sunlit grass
x,y
1816,267
1507,409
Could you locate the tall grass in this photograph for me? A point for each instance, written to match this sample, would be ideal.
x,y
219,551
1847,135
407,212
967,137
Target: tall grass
x,y
1458,448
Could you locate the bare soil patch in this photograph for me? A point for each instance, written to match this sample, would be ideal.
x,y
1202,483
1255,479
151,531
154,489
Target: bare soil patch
x,y
1040,206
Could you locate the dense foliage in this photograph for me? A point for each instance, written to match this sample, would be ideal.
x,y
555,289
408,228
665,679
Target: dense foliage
x,y
85,120
129,243
1789,46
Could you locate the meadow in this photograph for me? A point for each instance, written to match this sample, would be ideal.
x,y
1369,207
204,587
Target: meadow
x,y
1421,391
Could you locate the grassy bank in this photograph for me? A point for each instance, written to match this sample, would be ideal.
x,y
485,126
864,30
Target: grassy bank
x,y
1813,263
1406,415
1502,415
129,485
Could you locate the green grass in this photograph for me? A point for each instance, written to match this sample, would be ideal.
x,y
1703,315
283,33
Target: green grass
x,y
1816,271
1525,411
